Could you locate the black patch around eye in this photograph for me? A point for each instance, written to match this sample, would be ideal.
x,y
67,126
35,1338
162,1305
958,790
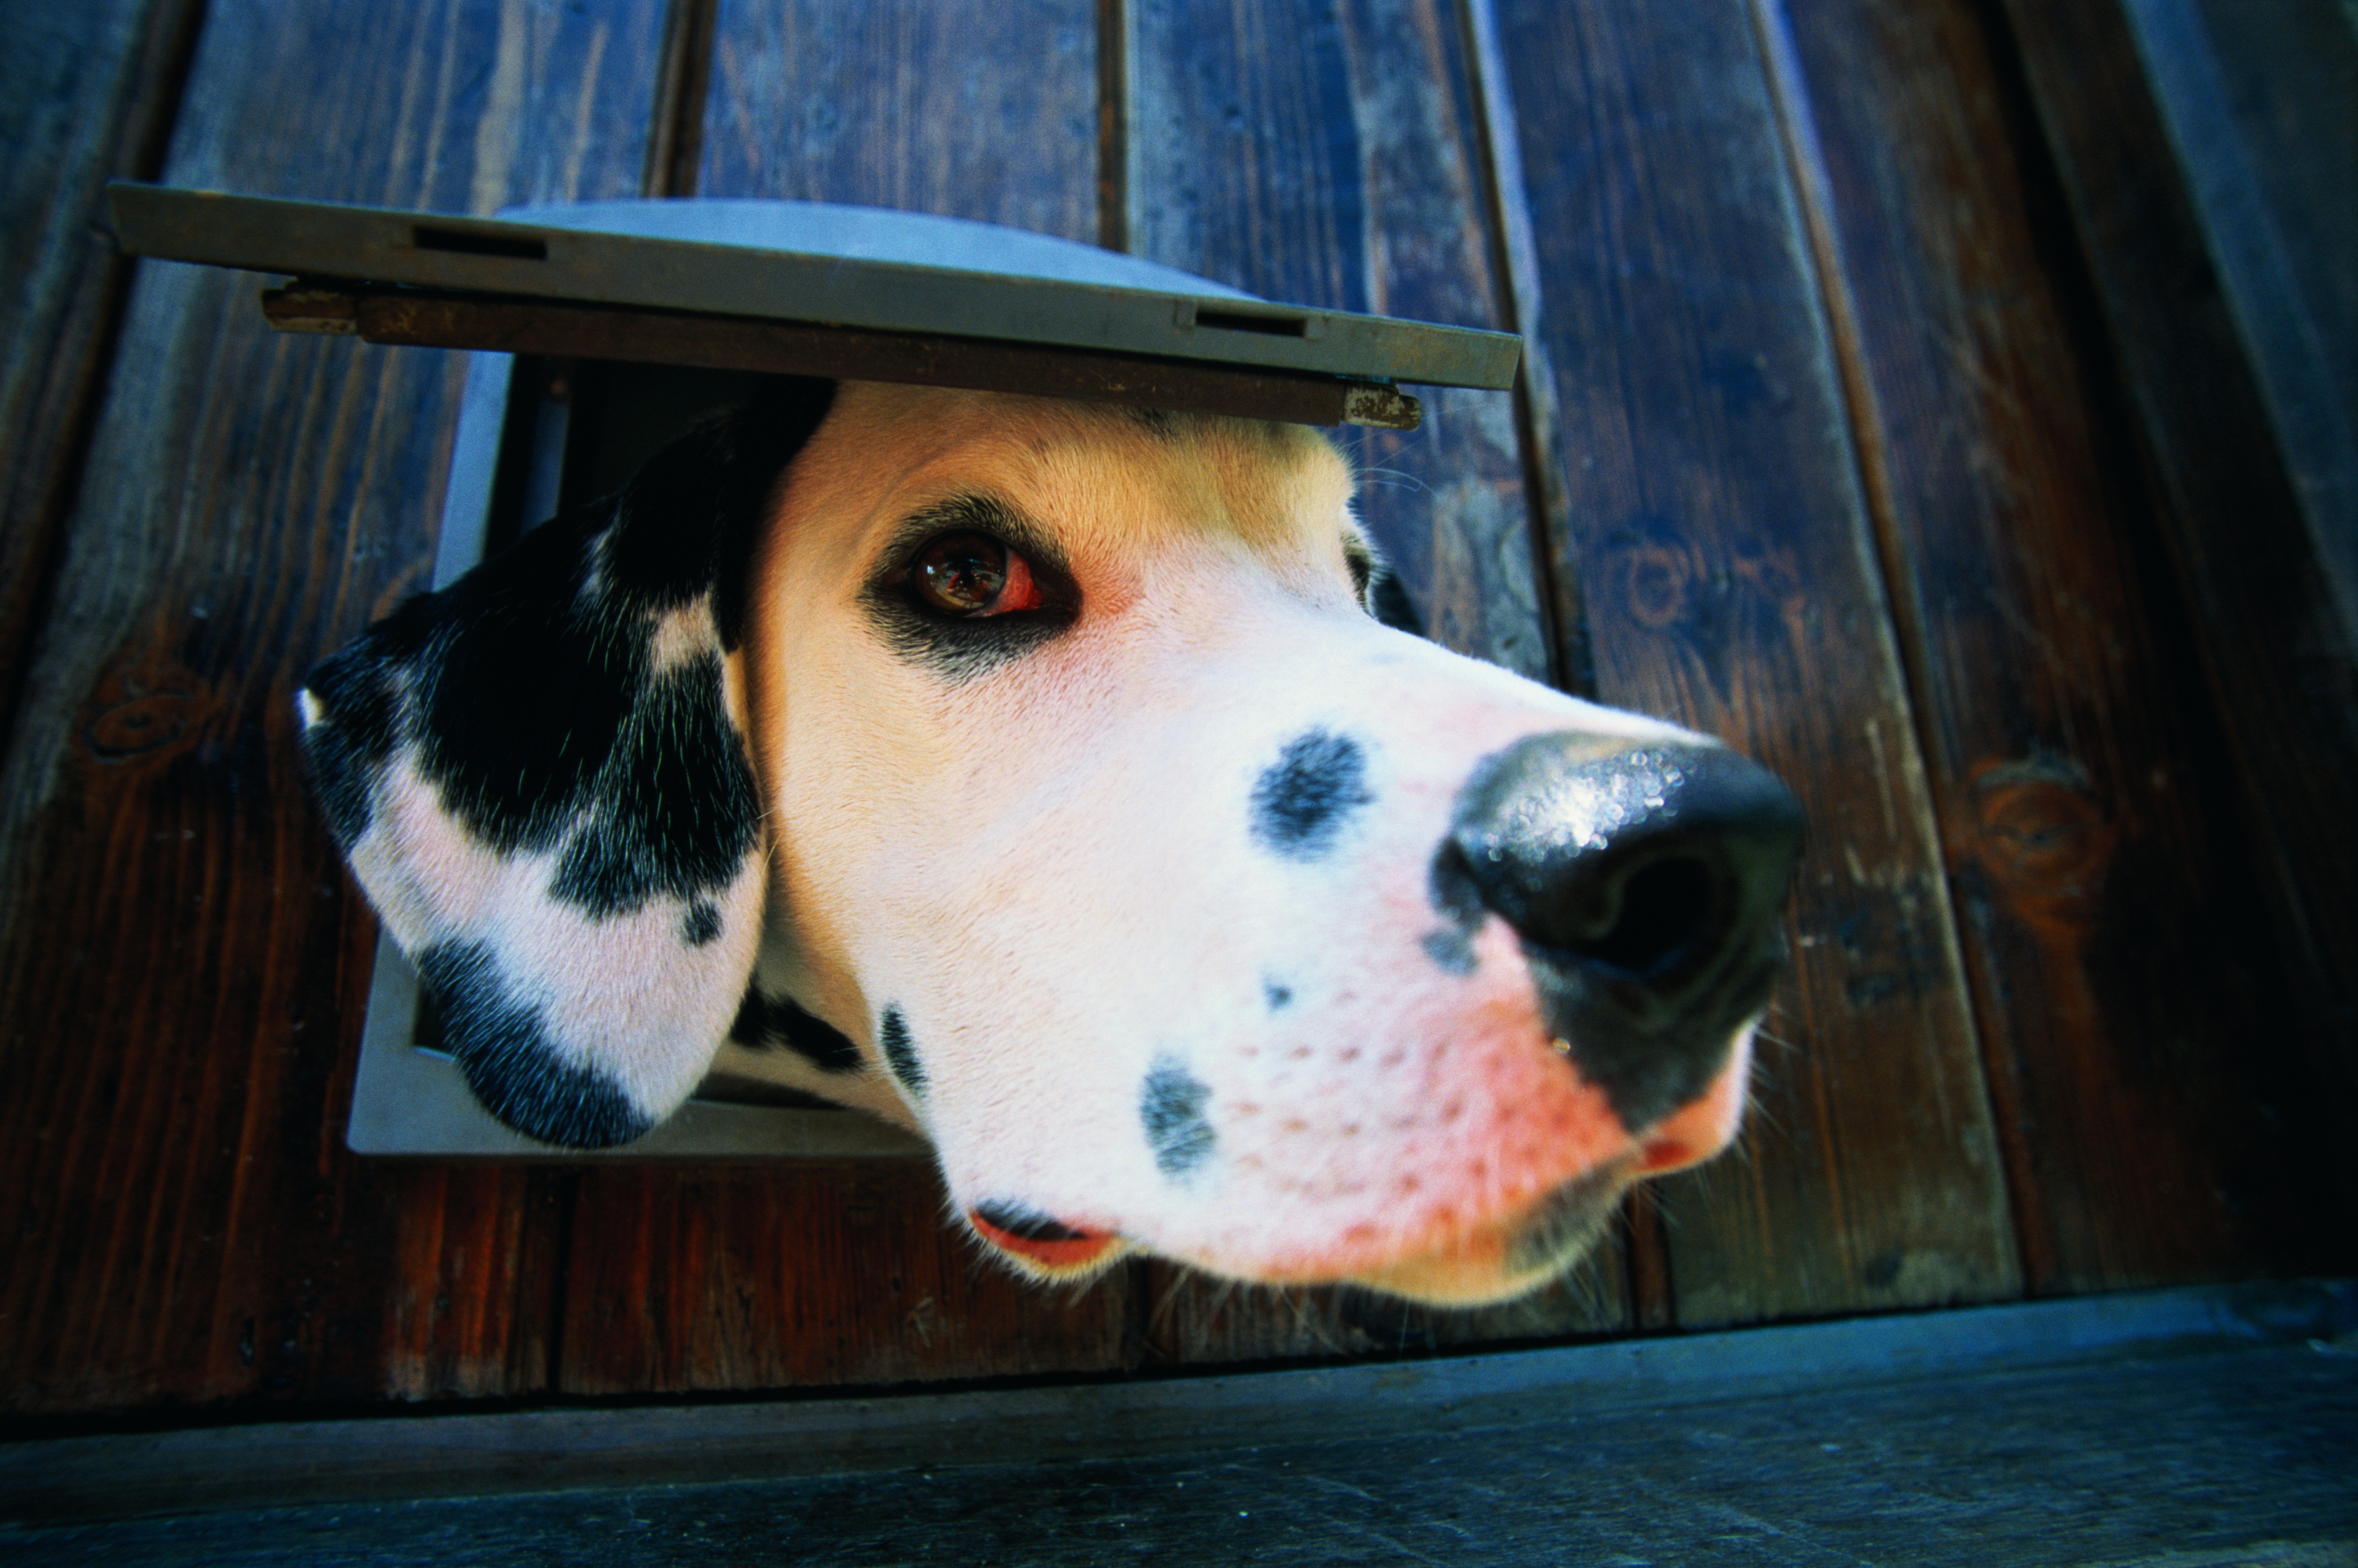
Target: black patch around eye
x,y
702,925
515,1069
1026,1224
1171,1107
765,1022
1301,800
674,810
901,1051
961,649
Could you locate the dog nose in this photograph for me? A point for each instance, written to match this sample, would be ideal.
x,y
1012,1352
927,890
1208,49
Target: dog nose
x,y
1644,884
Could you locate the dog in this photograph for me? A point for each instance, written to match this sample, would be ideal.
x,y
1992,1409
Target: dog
x,y
1034,775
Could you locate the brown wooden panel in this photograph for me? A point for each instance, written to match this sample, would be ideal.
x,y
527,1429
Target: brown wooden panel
x,y
2283,674
825,1273
2136,1018
984,109
1717,525
184,963
820,1274
86,90
1332,156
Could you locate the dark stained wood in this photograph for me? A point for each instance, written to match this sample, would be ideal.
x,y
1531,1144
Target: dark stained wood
x,y
182,977
835,1273
2262,105
1334,156
682,85
984,109
2282,670
1717,525
86,93
2136,1019
2057,1435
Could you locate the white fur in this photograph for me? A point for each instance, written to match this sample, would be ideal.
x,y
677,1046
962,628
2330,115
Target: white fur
x,y
1049,871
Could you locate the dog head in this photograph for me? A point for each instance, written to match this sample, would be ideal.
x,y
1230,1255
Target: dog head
x,y
1033,774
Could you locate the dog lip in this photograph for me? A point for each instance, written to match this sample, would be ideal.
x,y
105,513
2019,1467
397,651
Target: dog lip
x,y
1038,1238
1509,1254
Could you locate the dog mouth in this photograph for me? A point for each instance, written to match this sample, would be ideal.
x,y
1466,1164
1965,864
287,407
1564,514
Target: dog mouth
x,y
1513,1256
1042,1245
1496,1262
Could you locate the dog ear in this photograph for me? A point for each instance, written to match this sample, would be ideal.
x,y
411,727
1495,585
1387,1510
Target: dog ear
x,y
538,778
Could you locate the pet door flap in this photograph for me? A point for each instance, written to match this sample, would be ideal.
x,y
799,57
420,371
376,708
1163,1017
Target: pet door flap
x,y
808,289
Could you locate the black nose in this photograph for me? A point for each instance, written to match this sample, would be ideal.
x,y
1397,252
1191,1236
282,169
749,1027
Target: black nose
x,y
1644,884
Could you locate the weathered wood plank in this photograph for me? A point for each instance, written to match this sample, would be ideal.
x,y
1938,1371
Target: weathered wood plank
x,y
2260,102
743,1277
85,93
837,1274
1334,156
975,109
184,963
2284,677
1717,525
1926,1439
2135,1016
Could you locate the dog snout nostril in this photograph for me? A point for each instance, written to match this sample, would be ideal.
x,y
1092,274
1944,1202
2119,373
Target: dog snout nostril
x,y
1644,884
1642,918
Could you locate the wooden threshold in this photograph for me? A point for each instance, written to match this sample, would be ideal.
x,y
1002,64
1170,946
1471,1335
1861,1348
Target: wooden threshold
x,y
1933,1365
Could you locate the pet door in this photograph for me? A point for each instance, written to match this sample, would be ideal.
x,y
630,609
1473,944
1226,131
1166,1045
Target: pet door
x,y
602,330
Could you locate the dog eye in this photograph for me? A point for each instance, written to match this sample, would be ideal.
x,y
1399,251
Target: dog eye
x,y
971,576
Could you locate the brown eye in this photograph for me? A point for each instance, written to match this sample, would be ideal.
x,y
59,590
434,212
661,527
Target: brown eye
x,y
968,574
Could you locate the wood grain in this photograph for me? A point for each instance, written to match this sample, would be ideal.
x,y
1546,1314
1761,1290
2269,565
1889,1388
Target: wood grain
x,y
2135,1018
1719,530
837,1274
1332,156
86,94
2283,674
183,969
984,109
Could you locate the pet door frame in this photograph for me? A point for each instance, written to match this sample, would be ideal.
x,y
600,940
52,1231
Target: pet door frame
x,y
409,1096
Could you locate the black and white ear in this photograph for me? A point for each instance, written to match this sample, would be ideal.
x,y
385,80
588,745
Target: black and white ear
x,y
538,779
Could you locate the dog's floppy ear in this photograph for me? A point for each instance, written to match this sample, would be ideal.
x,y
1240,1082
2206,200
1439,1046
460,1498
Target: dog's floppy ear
x,y
537,779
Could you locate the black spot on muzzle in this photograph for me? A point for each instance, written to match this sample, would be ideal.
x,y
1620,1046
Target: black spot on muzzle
x,y
901,1052
1644,885
1171,1107
1302,800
